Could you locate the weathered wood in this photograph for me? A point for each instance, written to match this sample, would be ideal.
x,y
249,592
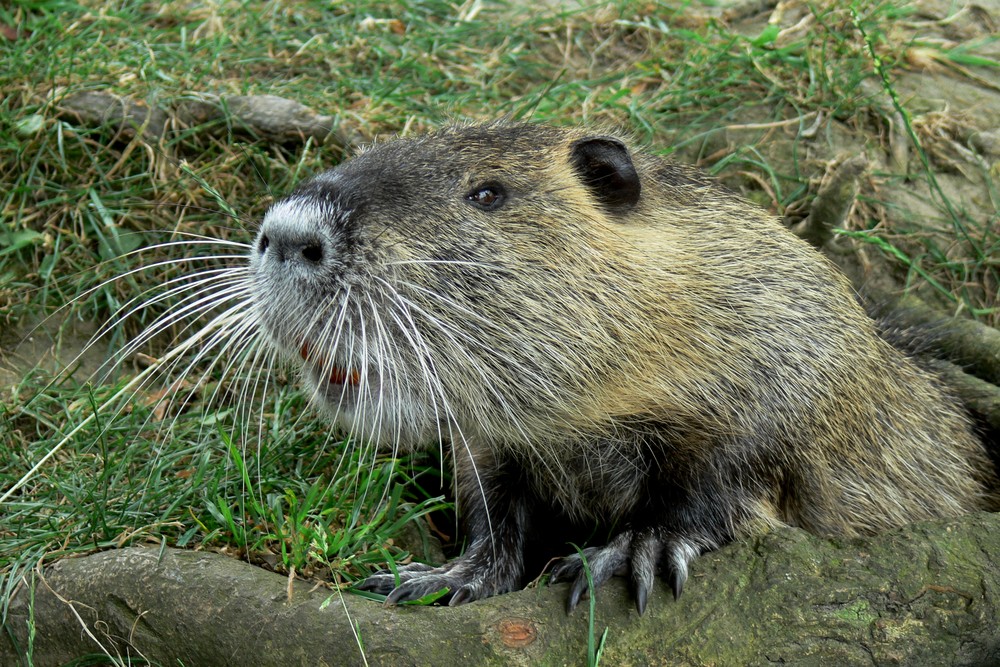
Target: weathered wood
x,y
833,201
267,117
121,115
928,594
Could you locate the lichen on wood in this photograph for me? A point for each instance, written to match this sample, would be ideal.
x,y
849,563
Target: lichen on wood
x,y
927,594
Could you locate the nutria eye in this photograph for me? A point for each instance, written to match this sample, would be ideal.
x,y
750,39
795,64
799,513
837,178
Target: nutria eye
x,y
487,197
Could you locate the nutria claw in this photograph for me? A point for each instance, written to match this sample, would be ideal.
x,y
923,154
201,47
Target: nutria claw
x,y
394,585
638,555
384,581
416,580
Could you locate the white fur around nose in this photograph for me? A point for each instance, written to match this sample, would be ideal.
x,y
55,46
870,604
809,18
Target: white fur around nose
x,y
297,215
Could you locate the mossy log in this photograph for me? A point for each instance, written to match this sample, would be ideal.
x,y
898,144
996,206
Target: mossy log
x,y
928,594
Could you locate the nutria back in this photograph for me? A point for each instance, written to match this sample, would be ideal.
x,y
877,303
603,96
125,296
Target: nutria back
x,y
601,335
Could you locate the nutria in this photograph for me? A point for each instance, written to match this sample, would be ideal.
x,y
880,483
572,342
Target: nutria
x,y
602,338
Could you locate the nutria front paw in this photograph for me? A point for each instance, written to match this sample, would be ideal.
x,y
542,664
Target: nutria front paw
x,y
384,581
416,580
639,553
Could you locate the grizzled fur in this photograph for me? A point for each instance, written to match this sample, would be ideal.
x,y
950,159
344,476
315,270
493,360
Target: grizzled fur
x,y
602,338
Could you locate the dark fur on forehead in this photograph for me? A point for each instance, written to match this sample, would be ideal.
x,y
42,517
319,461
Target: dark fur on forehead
x,y
503,134
320,188
482,142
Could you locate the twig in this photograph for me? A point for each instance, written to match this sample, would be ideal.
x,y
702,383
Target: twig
x,y
833,201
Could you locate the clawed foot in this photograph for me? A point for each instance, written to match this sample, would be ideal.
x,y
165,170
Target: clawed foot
x,y
640,554
416,580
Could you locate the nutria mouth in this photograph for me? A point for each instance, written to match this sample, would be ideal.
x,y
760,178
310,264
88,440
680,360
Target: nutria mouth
x,y
338,375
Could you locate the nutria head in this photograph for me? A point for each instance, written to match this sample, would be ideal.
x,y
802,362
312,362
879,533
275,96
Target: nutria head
x,y
479,279
521,283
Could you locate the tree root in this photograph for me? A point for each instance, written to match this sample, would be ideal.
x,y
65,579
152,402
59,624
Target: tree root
x,y
266,117
928,594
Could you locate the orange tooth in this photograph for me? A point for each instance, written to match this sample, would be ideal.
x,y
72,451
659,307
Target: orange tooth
x,y
337,375
341,376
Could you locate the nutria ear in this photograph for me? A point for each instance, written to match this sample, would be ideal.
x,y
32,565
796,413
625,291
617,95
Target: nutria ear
x,y
606,168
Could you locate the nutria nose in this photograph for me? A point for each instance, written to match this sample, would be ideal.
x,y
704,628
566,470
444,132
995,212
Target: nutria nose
x,y
285,246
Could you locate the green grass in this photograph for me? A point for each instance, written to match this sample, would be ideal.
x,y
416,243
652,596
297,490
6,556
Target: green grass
x,y
131,480
271,484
